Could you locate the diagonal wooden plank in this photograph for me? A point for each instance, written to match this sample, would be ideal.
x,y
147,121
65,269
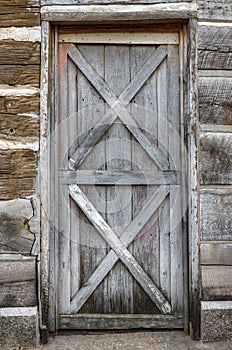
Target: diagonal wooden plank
x,y
154,152
118,105
143,74
90,73
102,87
119,249
92,139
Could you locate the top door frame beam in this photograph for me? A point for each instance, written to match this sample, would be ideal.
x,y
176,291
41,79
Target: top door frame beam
x,y
119,13
114,15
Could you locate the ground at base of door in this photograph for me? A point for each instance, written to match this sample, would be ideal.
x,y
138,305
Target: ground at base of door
x,y
147,340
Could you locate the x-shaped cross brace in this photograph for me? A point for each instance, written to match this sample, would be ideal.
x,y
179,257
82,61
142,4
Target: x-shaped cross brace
x,y
117,107
119,248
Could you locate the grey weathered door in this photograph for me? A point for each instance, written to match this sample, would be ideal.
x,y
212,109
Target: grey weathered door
x,y
120,256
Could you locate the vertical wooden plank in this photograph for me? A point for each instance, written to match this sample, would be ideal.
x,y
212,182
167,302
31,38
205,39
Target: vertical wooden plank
x,y
72,127
175,191
54,183
184,179
74,249
44,175
91,107
118,156
193,191
144,110
64,200
164,214
72,107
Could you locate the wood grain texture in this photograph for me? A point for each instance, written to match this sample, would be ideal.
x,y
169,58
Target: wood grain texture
x,y
216,158
17,173
17,207
120,321
146,246
92,248
104,177
215,102
19,13
213,10
64,292
20,74
118,105
15,236
161,28
18,127
176,234
119,13
215,38
45,176
19,52
86,2
127,238
216,220
125,256
109,287
216,128
192,193
118,199
24,3
20,104
18,283
216,282
216,253
121,38
215,47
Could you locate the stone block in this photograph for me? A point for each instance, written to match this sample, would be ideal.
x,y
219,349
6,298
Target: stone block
x,y
216,321
18,328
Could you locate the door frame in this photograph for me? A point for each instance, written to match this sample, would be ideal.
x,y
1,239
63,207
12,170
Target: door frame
x,y
52,16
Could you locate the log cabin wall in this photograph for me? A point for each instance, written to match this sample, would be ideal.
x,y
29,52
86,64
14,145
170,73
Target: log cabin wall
x,y
20,33
215,116
19,145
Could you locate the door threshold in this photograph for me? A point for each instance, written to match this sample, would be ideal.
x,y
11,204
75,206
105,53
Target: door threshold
x,y
119,322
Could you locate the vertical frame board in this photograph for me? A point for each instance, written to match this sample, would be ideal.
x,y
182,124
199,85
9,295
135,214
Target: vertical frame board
x,y
44,172
193,180
50,16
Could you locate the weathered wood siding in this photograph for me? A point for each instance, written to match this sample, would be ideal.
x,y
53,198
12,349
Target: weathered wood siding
x,y
217,282
215,158
19,99
215,103
19,138
107,2
16,226
215,10
18,127
18,173
18,282
216,253
216,219
19,13
214,47
19,143
215,110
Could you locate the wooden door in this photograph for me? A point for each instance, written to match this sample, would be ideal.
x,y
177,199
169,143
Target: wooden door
x,y
120,243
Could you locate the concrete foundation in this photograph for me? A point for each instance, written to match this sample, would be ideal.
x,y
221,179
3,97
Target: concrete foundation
x,y
19,328
216,320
